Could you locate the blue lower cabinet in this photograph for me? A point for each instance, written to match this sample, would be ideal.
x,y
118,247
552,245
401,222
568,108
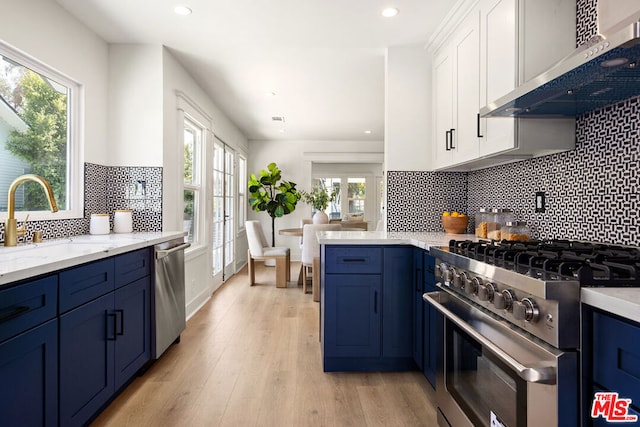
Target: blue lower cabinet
x,y
352,316
397,294
432,335
133,334
367,317
418,315
29,376
87,345
103,344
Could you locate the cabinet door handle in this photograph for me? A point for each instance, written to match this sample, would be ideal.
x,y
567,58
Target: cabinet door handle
x,y
375,302
121,322
447,134
115,321
478,127
417,280
451,144
20,310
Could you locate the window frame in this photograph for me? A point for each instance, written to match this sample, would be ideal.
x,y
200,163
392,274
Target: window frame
x,y
75,137
242,191
197,186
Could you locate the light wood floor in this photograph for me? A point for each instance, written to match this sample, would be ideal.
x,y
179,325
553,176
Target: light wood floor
x,y
251,357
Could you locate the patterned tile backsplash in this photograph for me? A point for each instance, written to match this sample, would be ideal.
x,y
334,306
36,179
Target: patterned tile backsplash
x,y
416,200
105,190
592,192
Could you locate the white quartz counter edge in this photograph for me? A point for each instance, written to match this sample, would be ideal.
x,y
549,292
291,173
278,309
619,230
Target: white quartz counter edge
x,y
624,302
422,240
25,261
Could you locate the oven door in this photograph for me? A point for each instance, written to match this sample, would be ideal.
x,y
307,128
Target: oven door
x,y
492,374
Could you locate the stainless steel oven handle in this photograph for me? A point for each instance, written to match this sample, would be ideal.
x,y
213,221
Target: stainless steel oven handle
x,y
541,375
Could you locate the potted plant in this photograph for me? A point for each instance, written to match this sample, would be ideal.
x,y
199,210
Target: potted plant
x,y
270,194
319,198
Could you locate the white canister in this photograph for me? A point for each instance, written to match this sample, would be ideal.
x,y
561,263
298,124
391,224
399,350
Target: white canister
x,y
122,221
99,224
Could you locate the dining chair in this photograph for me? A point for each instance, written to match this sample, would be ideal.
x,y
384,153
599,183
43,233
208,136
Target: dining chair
x,y
260,250
311,255
303,222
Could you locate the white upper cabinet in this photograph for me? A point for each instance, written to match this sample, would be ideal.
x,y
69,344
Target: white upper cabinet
x,y
499,45
456,89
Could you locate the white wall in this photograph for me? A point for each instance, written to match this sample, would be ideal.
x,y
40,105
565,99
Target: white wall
x,y
199,284
135,105
295,159
44,30
407,126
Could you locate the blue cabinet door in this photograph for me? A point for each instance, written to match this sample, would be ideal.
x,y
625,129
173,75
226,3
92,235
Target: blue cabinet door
x,y
87,344
432,335
133,333
352,315
29,377
418,312
397,295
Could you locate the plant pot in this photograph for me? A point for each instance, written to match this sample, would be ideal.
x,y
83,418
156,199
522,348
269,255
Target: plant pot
x,y
320,218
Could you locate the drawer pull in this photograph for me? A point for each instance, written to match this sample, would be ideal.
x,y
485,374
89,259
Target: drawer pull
x,y
351,260
15,313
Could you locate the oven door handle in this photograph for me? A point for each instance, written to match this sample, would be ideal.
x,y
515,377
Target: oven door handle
x,y
541,375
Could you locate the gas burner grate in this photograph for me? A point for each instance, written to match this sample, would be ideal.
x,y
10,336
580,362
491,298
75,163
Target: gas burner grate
x,y
593,264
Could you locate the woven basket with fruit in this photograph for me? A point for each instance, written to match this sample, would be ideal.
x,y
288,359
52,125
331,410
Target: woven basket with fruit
x,y
454,222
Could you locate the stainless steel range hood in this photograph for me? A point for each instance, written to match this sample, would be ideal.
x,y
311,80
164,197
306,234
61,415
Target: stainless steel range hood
x,y
602,72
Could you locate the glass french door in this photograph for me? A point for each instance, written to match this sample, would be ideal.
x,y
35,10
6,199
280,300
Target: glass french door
x,y
223,242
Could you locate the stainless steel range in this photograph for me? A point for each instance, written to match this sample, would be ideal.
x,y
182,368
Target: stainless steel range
x,y
511,322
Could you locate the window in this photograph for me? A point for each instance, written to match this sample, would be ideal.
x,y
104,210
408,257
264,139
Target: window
x,y
353,203
192,182
39,122
357,191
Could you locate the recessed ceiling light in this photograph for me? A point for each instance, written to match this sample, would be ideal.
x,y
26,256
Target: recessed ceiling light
x,y
281,131
390,12
368,132
182,10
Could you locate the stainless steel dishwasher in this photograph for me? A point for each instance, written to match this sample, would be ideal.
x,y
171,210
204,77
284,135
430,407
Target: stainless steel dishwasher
x,y
169,306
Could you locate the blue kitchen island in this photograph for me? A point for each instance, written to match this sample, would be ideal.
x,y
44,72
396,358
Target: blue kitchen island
x,y
372,316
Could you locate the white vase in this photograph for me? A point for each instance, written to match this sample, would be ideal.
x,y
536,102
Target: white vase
x,y
320,218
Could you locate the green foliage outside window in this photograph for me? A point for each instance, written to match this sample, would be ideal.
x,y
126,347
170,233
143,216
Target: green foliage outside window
x,y
44,144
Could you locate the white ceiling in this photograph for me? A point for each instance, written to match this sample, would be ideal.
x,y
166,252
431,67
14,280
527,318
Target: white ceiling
x,y
324,59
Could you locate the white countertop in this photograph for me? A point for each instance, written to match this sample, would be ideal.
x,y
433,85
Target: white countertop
x,y
30,260
422,240
624,302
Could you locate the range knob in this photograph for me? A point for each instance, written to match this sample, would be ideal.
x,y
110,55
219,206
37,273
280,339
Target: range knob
x,y
486,292
447,275
503,300
462,281
458,278
471,287
526,309
438,271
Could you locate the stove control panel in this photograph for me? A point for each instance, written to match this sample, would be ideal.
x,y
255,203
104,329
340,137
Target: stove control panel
x,y
507,301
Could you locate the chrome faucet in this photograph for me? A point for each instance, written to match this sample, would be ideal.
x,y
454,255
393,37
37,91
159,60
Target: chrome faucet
x,y
11,230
